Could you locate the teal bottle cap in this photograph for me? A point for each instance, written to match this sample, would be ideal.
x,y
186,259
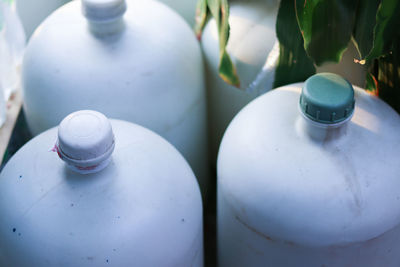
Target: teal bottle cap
x,y
327,98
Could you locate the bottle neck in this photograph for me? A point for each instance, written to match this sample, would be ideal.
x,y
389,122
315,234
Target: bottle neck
x,y
109,27
82,169
321,132
85,166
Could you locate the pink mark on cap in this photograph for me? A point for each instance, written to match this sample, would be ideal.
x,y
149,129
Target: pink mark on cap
x,y
56,149
88,168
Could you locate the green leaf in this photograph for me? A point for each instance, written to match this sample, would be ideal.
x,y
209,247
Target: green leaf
x,y
227,71
219,9
326,26
214,7
364,26
201,17
293,64
387,24
371,84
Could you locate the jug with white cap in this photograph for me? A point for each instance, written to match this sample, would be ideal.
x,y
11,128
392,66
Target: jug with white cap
x,y
120,196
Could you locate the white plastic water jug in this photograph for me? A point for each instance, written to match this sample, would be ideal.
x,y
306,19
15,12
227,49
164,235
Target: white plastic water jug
x,y
305,178
122,197
144,66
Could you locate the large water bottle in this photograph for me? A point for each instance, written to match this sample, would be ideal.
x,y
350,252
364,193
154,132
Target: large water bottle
x,y
308,177
120,196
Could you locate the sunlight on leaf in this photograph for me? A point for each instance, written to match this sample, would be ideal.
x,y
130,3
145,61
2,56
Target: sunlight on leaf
x,y
364,26
201,17
326,26
219,10
387,23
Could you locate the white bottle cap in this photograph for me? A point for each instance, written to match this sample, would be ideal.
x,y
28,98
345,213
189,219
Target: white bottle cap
x,y
103,10
85,141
